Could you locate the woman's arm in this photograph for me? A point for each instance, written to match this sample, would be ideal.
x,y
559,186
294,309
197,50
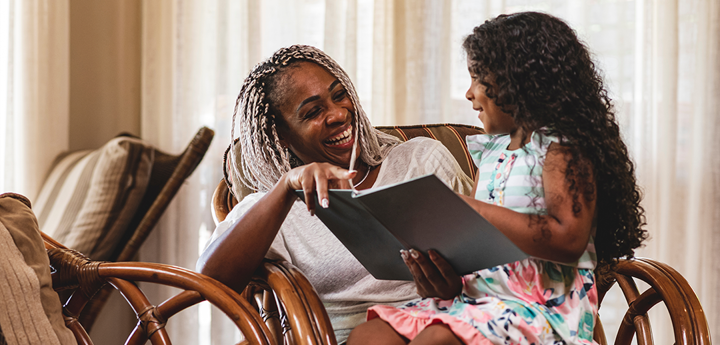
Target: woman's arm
x,y
562,235
235,255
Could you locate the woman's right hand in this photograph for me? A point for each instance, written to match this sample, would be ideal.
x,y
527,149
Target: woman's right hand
x,y
317,177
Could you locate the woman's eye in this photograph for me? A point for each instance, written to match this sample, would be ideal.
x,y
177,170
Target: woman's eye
x,y
312,113
340,95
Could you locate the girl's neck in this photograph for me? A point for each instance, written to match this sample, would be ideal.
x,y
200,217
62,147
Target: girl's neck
x,y
518,139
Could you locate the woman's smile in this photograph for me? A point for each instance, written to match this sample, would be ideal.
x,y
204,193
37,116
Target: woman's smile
x,y
343,139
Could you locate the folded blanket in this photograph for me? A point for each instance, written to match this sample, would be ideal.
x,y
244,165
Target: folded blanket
x,y
30,312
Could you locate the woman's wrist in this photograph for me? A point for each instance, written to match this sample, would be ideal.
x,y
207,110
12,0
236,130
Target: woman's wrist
x,y
288,189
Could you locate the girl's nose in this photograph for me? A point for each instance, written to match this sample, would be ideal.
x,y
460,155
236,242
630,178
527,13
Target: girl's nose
x,y
468,94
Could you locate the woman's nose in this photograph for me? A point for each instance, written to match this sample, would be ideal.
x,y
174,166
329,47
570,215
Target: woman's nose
x,y
336,114
469,94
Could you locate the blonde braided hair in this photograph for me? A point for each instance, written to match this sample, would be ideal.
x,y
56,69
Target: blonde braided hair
x,y
257,159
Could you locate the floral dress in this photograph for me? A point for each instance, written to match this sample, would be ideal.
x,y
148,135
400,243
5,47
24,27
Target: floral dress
x,y
532,301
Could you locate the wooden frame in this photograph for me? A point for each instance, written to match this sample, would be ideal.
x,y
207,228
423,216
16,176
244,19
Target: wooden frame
x,y
73,271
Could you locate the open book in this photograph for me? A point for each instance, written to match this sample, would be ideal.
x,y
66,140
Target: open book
x,y
422,213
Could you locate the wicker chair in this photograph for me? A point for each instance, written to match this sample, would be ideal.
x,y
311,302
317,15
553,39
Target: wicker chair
x,y
168,174
303,320
73,271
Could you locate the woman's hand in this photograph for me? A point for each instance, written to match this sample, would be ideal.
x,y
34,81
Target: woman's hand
x,y
434,277
317,177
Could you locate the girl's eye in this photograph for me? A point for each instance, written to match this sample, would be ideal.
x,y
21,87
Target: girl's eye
x,y
339,96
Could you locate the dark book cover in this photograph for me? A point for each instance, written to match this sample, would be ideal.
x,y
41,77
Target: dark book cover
x,y
422,213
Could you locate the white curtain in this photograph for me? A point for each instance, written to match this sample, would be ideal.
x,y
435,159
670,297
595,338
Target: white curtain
x,y
659,58
34,91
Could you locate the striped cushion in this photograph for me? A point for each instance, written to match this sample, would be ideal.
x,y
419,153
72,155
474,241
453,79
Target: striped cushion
x,y
451,135
90,197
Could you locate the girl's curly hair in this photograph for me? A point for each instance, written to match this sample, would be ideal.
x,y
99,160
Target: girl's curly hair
x,y
535,68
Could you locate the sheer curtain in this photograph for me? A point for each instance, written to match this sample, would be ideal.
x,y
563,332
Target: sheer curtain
x,y
659,58
34,91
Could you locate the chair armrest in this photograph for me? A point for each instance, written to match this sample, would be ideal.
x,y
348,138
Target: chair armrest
x,y
300,307
666,285
86,277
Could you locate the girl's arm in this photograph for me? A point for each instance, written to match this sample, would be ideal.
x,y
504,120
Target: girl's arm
x,y
233,257
562,235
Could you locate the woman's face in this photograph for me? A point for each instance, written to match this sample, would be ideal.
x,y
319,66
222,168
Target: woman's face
x,y
495,121
318,116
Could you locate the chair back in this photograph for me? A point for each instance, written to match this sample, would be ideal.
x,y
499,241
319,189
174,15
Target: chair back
x,y
167,176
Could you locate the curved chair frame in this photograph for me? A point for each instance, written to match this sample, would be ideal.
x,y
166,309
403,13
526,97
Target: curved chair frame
x,y
666,285
72,270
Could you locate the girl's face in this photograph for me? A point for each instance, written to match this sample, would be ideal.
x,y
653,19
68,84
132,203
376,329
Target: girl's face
x,y
318,116
494,120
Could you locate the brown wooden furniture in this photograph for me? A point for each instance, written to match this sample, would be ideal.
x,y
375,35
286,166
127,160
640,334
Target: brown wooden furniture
x,y
169,171
298,301
73,271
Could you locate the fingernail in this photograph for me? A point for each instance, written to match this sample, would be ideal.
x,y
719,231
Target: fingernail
x,y
324,203
414,253
404,254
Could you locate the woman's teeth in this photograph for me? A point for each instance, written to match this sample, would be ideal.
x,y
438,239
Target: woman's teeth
x,y
342,138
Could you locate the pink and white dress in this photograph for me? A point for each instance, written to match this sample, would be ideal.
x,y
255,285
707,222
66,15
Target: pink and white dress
x,y
532,301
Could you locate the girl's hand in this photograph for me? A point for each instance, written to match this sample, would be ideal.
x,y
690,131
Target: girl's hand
x,y
434,277
317,177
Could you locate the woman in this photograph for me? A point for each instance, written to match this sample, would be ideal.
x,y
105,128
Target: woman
x,y
299,117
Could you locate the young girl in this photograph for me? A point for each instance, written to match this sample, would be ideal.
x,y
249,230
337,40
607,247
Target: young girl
x,y
554,177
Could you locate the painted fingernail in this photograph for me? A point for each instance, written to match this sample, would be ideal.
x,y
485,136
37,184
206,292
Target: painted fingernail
x,y
324,203
404,254
414,253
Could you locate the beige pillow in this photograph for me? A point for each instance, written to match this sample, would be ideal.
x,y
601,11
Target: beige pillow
x,y
90,197
19,220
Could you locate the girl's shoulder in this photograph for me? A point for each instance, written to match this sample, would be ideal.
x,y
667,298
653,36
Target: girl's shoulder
x,y
481,143
540,141
485,145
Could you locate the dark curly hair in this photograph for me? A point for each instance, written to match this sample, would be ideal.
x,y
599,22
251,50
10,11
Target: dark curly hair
x,y
535,68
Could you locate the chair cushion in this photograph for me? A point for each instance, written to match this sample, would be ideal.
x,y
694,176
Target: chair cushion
x,y
18,220
90,197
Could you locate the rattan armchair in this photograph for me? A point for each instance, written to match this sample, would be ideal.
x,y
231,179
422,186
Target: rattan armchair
x,y
280,289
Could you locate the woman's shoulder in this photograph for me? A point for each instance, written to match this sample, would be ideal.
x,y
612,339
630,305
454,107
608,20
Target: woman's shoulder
x,y
416,146
421,149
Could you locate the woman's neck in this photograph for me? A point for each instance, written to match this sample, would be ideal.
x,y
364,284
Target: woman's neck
x,y
366,176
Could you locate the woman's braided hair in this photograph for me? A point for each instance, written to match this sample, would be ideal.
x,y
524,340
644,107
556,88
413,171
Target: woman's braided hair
x,y
260,160
534,67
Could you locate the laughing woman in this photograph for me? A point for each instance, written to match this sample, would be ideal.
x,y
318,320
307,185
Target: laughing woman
x,y
299,117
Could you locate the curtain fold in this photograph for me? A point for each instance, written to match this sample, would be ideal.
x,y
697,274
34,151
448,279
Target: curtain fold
x,y
659,58
34,113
